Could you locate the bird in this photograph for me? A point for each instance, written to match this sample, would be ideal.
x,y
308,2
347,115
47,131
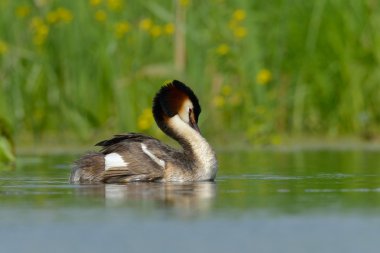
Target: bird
x,y
136,157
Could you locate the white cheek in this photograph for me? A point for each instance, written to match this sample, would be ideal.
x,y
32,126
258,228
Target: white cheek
x,y
185,115
184,112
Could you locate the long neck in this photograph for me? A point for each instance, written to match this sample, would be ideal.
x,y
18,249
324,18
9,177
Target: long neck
x,y
194,145
177,129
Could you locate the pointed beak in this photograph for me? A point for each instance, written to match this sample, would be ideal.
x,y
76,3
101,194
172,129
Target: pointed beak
x,y
193,123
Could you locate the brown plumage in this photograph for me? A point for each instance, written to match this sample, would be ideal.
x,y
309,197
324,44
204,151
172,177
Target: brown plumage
x,y
137,157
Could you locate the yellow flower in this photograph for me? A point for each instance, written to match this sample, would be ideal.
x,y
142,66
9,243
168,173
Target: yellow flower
x,y
239,15
184,3
218,101
169,28
64,14
263,77
41,35
114,5
3,47
145,24
143,124
52,17
240,32
100,15
43,30
95,2
35,22
22,11
222,49
58,15
121,29
156,31
40,29
276,139
226,90
145,120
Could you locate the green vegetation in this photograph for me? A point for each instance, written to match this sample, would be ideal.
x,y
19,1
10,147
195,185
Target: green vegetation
x,y
263,70
6,146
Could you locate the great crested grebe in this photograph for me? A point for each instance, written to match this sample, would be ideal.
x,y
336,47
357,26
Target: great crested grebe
x,y
136,157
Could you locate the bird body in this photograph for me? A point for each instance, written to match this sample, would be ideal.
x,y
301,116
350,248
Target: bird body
x,y
137,157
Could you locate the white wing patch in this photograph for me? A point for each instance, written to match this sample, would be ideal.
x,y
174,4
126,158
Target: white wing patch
x,y
153,157
113,160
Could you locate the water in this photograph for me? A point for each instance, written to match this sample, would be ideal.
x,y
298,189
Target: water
x,y
262,201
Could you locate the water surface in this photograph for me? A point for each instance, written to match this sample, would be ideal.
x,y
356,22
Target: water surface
x,y
262,201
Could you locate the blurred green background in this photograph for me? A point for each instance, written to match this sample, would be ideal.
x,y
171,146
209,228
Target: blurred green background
x,y
266,72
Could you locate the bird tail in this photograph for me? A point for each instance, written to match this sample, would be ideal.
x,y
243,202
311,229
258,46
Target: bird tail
x,y
88,169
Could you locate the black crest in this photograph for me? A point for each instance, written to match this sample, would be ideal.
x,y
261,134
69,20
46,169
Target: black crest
x,y
170,98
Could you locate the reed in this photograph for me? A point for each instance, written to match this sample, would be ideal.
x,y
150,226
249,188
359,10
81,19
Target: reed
x,y
262,70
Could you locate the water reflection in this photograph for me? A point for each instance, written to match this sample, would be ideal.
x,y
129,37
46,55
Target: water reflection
x,y
259,198
187,198
261,182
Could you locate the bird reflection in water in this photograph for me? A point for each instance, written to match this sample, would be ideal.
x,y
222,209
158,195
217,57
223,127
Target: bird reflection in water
x,y
187,198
